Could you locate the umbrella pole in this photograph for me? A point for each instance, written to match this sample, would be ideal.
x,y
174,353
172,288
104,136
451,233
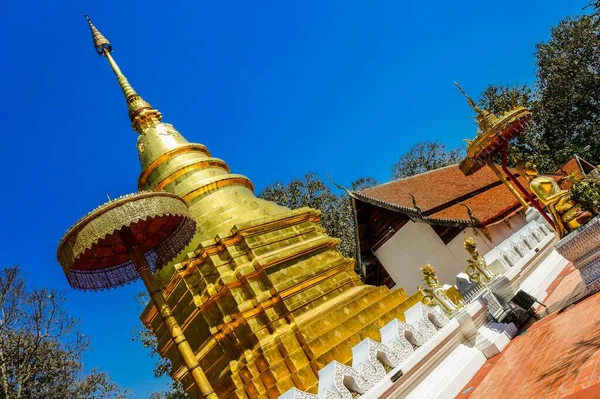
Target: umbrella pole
x,y
174,329
535,204
508,185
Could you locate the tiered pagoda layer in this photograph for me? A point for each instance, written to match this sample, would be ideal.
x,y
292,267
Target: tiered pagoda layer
x,y
262,293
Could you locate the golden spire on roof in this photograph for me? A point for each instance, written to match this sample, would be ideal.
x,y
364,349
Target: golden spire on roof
x,y
494,132
469,99
141,113
485,119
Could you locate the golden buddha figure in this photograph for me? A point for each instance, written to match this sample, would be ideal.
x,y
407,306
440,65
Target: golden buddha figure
x,y
565,212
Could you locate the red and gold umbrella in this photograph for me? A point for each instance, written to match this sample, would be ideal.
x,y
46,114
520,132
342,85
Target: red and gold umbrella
x,y
129,238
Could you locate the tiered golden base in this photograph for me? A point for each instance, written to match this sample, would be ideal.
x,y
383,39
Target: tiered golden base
x,y
268,306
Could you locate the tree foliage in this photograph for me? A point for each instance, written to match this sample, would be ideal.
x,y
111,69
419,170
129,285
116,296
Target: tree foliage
x,y
424,156
587,193
499,99
530,144
176,392
312,192
565,98
41,347
568,83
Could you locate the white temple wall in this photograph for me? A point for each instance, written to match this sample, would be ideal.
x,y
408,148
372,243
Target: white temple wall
x,y
408,249
417,243
518,222
499,233
458,251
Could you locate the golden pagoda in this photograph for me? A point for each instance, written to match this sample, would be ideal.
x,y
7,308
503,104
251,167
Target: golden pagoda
x,y
262,293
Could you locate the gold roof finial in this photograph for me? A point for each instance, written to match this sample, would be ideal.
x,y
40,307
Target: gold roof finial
x,y
469,99
141,113
100,42
485,118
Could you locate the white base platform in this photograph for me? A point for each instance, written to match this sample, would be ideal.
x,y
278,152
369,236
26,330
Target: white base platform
x,y
450,376
546,272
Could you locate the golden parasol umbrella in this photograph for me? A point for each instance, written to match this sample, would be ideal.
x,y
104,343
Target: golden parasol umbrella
x,y
493,139
129,238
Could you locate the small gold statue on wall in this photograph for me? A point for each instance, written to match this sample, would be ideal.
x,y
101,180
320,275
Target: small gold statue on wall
x,y
477,268
566,214
434,294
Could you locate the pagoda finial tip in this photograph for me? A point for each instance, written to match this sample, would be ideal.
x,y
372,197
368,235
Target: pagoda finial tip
x,y
469,99
141,113
101,43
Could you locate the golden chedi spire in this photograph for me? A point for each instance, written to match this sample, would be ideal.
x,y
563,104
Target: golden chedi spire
x,y
262,293
171,163
141,113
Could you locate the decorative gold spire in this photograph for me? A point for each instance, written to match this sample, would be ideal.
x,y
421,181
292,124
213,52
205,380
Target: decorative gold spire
x,y
485,119
141,113
100,42
469,99
492,136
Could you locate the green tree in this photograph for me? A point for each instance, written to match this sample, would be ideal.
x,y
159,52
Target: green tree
x,y
568,85
176,392
311,191
565,98
530,144
424,156
41,347
499,98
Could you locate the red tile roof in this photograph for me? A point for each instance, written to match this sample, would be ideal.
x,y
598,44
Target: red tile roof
x,y
438,192
571,167
487,206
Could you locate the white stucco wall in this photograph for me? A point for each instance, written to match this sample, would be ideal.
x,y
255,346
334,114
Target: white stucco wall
x,y
499,233
458,251
405,252
417,243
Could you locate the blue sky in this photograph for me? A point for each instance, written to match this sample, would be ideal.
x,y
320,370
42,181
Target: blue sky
x,y
275,88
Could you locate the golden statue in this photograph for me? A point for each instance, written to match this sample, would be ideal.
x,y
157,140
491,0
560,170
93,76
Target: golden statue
x,y
477,269
427,297
565,212
429,276
435,294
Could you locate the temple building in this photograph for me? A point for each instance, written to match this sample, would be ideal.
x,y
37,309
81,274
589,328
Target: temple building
x,y
425,219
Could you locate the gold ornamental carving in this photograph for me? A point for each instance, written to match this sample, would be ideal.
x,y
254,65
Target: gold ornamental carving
x,y
434,294
477,268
